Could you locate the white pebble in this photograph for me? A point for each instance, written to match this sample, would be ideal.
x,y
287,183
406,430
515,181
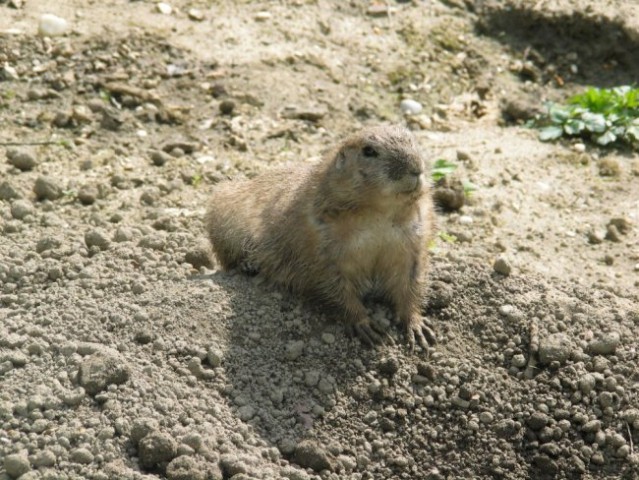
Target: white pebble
x,y
164,8
262,16
52,25
579,147
410,107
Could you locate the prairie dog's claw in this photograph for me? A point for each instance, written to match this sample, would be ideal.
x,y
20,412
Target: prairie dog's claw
x,y
371,335
420,330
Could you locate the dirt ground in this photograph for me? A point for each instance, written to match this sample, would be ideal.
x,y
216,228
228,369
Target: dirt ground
x,y
125,353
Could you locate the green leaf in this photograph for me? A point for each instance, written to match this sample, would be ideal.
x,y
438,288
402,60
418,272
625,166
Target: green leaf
x,y
574,126
469,187
558,113
606,138
633,132
552,132
447,237
594,122
442,168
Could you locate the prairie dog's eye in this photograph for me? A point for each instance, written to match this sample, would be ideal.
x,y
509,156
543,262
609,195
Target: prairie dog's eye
x,y
369,151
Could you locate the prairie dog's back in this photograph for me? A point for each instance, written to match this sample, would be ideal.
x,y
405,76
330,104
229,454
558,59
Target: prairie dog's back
x,y
240,212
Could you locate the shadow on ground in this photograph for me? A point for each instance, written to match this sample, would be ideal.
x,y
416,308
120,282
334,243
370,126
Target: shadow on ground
x,y
600,49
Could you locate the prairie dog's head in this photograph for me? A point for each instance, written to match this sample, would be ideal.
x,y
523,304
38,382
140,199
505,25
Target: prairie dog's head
x,y
383,160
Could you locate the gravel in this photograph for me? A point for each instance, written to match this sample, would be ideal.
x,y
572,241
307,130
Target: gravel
x,y
126,353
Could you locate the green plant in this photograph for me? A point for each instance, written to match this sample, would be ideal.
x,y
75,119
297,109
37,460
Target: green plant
x,y
196,180
602,115
442,168
447,237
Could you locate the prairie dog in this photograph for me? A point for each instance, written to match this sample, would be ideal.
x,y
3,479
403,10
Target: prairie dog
x,y
357,222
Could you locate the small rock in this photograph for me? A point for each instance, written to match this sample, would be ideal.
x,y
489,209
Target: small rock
x,y
463,155
111,120
506,428
185,468
44,458
587,383
311,378
97,238
605,344
81,455
517,108
17,358
232,465
538,420
16,464
378,10
622,224
52,26
309,454
486,417
198,257
8,73
502,266
592,426
613,234
313,115
410,107
20,209
328,338
123,234
246,412
159,158
441,295
144,336
518,360
184,145
21,159
556,347
47,188
154,242
156,449
88,195
48,243
294,349
81,114
595,237
143,427
214,357
100,370
164,8
449,194
545,464
73,398
579,147
8,191
388,366
609,167
195,14
227,106
262,16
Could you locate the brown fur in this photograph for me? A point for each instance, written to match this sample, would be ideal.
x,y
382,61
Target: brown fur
x,y
357,222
